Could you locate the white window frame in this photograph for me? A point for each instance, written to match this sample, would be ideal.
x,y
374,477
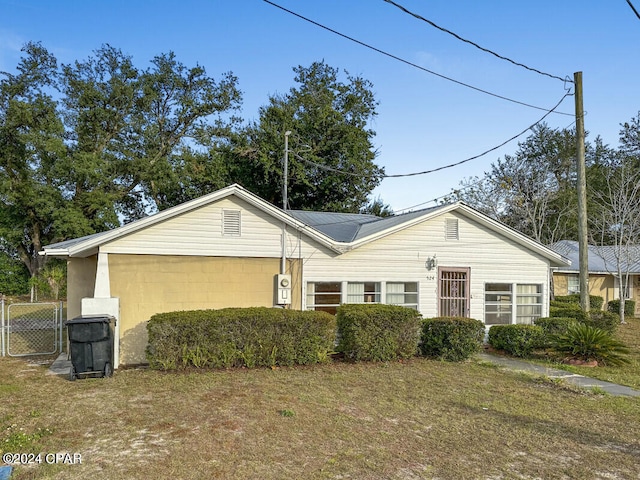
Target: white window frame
x,y
358,292
515,304
573,284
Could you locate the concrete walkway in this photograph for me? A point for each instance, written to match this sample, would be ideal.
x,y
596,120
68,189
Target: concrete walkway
x,y
61,366
572,378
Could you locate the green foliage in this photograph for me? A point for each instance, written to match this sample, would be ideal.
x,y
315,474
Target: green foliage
x,y
119,142
377,332
567,310
516,340
451,338
554,325
613,306
14,439
589,343
595,301
14,276
606,321
239,337
329,121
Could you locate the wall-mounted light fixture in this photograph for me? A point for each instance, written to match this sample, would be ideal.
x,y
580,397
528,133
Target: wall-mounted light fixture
x,y
431,263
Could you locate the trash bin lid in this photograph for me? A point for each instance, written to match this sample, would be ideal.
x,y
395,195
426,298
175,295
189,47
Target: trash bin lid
x,y
91,319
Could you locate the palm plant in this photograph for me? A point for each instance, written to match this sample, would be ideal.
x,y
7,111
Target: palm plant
x,y
589,343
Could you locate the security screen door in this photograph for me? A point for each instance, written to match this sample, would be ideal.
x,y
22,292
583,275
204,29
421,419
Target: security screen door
x,y
453,292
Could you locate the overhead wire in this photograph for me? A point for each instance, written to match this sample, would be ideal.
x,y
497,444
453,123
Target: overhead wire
x,y
461,189
633,8
443,167
419,17
415,65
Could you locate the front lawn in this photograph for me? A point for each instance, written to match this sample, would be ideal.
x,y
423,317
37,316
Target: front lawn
x,y
398,420
629,375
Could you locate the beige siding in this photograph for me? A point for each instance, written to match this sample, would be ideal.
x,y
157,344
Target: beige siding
x,y
148,284
401,257
81,279
199,233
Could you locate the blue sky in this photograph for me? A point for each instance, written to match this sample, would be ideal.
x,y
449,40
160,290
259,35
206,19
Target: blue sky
x,y
423,121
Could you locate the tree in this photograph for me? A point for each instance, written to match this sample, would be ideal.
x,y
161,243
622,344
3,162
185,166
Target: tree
x,y
331,158
31,145
616,220
532,190
135,135
115,143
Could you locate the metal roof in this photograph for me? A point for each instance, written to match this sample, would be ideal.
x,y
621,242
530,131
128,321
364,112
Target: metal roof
x,y
602,259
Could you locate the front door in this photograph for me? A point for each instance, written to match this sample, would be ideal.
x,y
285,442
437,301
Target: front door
x,y
453,292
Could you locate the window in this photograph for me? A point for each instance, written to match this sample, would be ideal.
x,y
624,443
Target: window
x,y
324,296
573,284
497,303
231,223
451,229
327,296
529,303
404,294
365,292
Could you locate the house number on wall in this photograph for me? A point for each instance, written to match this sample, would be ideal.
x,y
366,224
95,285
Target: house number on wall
x,y
431,277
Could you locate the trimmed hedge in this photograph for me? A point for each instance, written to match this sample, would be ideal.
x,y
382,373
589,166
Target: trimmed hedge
x,y
554,325
613,306
377,332
517,340
595,301
566,310
239,337
451,338
606,321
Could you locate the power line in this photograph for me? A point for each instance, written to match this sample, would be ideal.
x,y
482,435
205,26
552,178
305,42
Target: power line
x,y
633,8
413,174
415,15
461,189
407,62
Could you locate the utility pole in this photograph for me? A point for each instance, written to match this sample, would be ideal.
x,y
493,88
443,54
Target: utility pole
x,y
285,170
285,200
583,245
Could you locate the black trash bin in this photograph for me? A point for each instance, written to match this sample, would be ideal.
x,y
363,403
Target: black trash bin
x,y
91,345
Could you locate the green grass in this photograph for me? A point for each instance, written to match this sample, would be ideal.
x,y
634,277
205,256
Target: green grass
x,y
399,420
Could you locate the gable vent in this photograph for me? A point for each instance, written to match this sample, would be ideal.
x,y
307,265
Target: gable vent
x,y
231,223
451,229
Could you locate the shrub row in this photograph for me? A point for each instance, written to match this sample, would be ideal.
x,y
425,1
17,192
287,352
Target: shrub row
x,y
251,337
235,337
613,306
595,301
606,321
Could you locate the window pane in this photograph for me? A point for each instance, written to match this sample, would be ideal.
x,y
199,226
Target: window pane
x,y
405,294
498,303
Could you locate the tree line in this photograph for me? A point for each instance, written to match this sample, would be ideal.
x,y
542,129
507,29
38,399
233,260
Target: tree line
x,y
89,145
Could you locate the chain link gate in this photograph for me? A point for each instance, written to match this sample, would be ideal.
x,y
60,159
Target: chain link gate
x,y
31,329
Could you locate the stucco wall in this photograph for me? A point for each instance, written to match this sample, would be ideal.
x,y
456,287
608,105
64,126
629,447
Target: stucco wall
x,y
600,285
149,284
81,279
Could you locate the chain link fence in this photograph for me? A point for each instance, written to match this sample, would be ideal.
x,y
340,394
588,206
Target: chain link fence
x,y
31,329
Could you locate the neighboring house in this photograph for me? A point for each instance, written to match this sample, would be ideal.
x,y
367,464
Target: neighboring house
x,y
226,248
603,272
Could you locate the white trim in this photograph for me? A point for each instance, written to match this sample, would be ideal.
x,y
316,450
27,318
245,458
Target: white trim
x,y
80,248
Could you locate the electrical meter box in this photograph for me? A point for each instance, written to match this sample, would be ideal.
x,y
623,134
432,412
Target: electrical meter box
x,y
283,289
